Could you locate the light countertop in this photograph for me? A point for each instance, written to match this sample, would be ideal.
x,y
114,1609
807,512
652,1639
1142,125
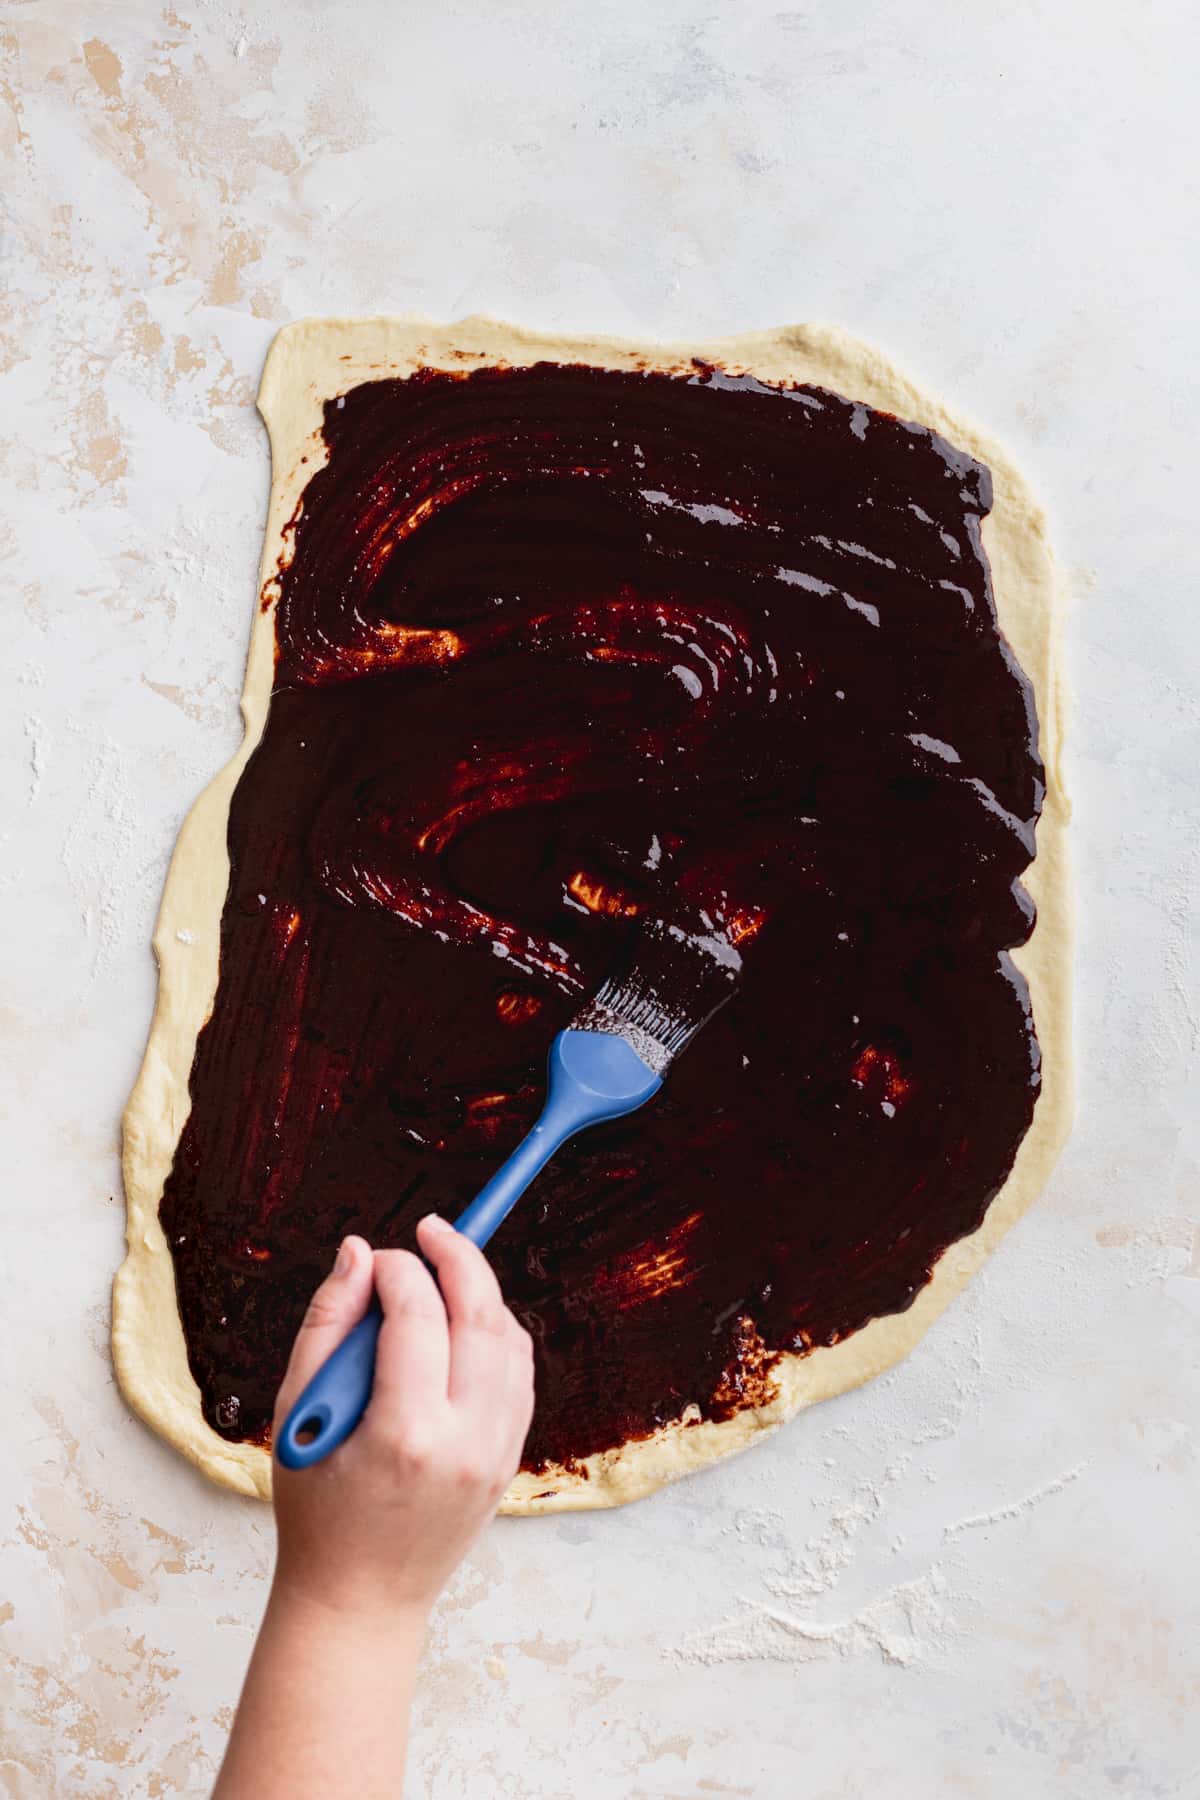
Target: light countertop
x,y
978,1577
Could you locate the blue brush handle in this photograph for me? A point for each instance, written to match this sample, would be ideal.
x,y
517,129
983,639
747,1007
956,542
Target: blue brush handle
x,y
592,1076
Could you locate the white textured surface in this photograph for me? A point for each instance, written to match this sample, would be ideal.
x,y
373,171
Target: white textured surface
x,y
977,1578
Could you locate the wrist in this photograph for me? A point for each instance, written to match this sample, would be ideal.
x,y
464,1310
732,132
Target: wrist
x,y
350,1611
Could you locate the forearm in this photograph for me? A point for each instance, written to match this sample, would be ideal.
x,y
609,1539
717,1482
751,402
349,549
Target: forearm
x,y
326,1700
368,1540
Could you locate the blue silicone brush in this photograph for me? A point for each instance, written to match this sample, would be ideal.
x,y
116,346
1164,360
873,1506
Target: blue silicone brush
x,y
609,1061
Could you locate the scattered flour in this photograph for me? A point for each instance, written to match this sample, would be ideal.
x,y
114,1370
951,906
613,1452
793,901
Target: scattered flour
x,y
35,731
1016,1508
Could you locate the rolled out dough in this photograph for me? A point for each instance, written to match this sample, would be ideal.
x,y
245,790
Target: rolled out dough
x,y
313,361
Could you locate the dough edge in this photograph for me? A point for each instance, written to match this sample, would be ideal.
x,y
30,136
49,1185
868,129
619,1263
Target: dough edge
x,y
310,361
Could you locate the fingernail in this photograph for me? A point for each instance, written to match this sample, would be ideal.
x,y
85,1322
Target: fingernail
x,y
345,1258
436,1222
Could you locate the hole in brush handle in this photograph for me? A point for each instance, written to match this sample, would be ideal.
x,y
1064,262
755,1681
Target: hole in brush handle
x,y
308,1432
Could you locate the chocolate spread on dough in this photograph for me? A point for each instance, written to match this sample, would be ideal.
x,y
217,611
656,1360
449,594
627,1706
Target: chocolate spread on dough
x,y
555,645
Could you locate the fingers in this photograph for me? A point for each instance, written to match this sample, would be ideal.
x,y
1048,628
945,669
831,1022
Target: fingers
x,y
412,1361
476,1311
336,1306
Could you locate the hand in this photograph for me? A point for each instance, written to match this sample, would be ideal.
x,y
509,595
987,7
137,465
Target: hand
x,y
374,1531
368,1537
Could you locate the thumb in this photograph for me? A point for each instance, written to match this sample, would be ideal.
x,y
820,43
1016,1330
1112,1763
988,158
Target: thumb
x,y
338,1304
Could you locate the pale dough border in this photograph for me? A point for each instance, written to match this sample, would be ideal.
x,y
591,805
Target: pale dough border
x,y
309,362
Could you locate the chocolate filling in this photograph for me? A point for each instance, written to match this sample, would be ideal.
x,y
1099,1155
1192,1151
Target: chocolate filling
x,y
559,649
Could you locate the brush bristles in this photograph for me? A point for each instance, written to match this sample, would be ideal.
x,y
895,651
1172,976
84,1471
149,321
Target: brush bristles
x,y
675,984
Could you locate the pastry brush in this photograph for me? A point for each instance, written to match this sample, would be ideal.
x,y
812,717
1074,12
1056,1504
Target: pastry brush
x,y
607,1062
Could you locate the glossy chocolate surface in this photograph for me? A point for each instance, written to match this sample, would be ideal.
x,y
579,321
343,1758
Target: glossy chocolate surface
x,y
558,646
